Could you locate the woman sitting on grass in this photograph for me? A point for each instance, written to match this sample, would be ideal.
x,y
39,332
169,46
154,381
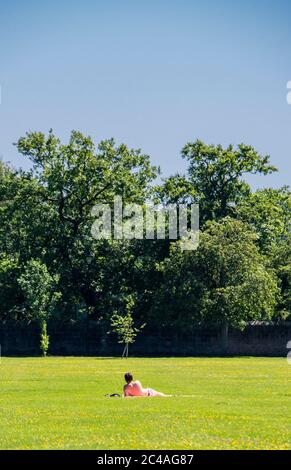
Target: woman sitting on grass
x,y
134,389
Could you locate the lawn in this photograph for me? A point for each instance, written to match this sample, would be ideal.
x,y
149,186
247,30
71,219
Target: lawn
x,y
229,403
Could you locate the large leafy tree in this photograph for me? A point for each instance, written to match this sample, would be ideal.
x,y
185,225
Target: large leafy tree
x,y
215,178
216,173
10,294
45,214
120,269
281,262
224,282
268,211
123,325
21,233
73,178
40,294
78,175
176,190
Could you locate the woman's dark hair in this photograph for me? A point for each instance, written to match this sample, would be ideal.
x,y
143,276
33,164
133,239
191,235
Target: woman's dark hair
x,y
128,377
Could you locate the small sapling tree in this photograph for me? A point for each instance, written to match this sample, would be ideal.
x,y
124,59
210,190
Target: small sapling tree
x,y
124,327
38,287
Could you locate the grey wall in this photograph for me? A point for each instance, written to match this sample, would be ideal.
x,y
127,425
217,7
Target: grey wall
x,y
87,339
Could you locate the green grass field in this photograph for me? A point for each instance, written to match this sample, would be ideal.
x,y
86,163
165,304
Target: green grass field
x,y
59,403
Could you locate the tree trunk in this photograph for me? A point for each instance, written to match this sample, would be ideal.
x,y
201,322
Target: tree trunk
x,y
224,338
125,351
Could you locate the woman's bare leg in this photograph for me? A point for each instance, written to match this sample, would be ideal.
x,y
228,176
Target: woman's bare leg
x,y
159,394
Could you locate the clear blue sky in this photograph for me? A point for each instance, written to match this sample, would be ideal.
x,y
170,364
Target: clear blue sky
x,y
153,74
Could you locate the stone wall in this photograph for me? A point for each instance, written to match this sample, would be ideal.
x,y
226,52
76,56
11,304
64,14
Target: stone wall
x,y
87,339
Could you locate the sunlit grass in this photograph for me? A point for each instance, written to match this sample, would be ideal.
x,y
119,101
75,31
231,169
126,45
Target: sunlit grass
x,y
231,403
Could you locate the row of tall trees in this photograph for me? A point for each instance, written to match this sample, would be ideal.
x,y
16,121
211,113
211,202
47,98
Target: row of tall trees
x,y
51,267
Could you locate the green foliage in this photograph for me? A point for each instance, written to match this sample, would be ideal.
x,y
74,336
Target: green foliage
x,y
50,266
73,178
176,190
10,293
215,174
78,175
281,261
268,211
39,290
41,297
123,325
225,280
44,339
